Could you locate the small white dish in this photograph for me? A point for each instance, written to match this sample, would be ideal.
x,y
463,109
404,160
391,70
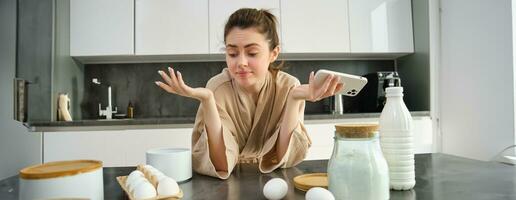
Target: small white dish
x,y
175,163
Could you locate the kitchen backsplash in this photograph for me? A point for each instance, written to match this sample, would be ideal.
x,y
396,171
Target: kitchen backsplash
x,y
135,83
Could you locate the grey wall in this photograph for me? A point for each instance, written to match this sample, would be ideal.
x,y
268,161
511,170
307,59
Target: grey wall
x,y
18,147
135,83
414,69
68,75
34,54
476,78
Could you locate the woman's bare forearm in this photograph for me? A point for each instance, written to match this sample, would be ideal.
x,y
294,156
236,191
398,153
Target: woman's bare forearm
x,y
290,122
214,129
174,84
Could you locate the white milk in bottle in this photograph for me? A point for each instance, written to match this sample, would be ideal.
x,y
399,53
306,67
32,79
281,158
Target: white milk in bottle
x,y
396,140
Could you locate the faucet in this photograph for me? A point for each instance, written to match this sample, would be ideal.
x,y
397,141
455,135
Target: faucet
x,y
108,112
337,107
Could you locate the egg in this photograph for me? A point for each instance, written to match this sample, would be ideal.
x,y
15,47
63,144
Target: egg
x,y
157,173
148,166
132,176
275,188
147,170
167,186
144,190
152,169
132,185
318,193
154,172
154,179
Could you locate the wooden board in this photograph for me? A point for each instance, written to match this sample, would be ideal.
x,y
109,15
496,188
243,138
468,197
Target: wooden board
x,y
306,181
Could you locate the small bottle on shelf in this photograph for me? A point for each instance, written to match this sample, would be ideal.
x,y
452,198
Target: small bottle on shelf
x,y
130,110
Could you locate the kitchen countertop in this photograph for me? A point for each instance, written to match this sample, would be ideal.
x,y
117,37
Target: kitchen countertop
x,y
438,176
179,122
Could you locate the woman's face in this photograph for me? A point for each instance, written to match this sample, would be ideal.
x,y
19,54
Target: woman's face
x,y
248,56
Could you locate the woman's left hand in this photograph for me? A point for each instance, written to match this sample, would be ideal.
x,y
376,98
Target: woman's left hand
x,y
313,92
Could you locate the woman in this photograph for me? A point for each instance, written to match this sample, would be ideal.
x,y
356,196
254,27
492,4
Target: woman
x,y
251,112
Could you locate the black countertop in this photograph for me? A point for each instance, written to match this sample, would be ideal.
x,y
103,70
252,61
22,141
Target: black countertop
x,y
178,122
438,176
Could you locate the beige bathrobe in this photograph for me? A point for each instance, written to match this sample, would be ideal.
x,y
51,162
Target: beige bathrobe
x,y
250,131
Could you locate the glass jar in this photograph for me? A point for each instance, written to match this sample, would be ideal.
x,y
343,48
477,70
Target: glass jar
x,y
357,168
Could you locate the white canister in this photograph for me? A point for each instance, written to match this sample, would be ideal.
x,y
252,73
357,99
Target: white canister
x,y
357,168
78,179
176,163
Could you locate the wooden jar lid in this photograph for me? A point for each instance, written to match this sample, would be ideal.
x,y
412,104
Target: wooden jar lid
x,y
59,169
306,181
356,130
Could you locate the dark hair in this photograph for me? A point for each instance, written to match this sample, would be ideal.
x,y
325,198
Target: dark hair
x,y
262,20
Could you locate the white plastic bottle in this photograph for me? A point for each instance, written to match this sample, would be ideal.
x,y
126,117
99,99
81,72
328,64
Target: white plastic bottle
x,y
396,140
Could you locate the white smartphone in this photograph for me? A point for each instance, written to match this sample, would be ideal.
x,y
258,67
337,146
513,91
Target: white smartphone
x,y
352,84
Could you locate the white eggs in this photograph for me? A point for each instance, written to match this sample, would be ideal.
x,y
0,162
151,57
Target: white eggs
x,y
159,175
133,175
132,185
156,173
318,193
167,186
275,189
148,182
148,167
144,190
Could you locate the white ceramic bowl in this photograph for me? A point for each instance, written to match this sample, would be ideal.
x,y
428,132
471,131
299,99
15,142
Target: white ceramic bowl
x,y
79,179
176,163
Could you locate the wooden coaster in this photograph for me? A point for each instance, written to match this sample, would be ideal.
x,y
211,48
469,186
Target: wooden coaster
x,y
306,181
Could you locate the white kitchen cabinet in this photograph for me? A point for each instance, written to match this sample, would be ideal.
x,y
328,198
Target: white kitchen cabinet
x,y
315,26
113,148
112,31
220,10
381,26
171,27
101,28
322,134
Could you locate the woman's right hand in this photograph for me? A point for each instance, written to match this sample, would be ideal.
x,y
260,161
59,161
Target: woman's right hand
x,y
313,92
175,84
